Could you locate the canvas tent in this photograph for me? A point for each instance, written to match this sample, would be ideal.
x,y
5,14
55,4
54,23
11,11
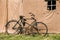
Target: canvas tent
x,y
11,9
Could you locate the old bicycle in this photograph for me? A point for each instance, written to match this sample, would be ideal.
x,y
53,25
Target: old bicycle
x,y
33,28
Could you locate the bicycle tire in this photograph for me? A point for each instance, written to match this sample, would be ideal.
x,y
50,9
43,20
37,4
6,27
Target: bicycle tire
x,y
8,26
40,28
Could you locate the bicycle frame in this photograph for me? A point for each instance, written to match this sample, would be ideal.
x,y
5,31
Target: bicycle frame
x,y
16,23
22,25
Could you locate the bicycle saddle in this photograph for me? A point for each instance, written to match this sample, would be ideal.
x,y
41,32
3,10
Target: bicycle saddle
x,y
21,17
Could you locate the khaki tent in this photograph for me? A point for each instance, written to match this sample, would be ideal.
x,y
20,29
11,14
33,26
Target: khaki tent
x,y
11,9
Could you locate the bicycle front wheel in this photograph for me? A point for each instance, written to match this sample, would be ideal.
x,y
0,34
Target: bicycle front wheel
x,y
12,26
42,28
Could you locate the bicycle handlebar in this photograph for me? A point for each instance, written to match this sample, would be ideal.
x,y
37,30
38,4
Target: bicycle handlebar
x,y
32,14
31,18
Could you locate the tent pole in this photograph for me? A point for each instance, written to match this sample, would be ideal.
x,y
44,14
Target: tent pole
x,y
6,15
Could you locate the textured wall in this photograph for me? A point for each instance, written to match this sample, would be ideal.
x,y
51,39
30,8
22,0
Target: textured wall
x,y
15,8
38,7
2,15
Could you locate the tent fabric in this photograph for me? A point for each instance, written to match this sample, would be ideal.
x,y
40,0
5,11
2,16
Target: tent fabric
x,y
37,7
15,8
2,15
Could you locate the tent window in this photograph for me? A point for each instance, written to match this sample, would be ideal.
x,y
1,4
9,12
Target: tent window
x,y
51,4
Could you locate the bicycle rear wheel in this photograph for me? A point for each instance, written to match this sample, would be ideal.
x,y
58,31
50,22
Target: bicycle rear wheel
x,y
42,28
12,26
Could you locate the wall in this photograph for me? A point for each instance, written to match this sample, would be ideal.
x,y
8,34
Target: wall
x,y
3,14
37,7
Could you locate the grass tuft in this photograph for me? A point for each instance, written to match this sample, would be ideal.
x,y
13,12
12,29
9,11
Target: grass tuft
x,y
29,37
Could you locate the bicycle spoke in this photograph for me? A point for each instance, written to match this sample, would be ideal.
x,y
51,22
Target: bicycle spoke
x,y
42,28
10,26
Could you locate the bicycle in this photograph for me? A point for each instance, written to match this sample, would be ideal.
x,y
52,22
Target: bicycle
x,y
33,28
